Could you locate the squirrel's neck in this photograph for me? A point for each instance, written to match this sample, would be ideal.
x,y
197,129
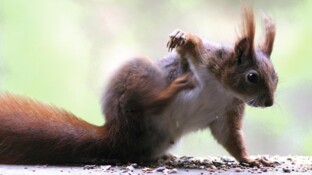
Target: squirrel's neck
x,y
219,58
218,55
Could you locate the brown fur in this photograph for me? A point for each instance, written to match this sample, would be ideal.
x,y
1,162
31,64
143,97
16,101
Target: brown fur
x,y
138,90
29,129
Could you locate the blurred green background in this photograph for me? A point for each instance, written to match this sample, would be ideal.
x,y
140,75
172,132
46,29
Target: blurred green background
x,y
62,51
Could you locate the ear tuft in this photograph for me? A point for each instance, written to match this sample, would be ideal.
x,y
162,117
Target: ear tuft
x,y
269,35
245,42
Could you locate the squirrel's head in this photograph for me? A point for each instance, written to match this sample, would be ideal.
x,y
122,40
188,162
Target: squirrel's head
x,y
250,73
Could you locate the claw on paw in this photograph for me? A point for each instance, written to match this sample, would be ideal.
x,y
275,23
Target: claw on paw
x,y
258,162
176,38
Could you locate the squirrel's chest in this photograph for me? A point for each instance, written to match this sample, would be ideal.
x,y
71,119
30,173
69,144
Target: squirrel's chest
x,y
197,108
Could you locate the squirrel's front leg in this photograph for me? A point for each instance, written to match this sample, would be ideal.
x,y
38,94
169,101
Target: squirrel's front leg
x,y
228,132
187,45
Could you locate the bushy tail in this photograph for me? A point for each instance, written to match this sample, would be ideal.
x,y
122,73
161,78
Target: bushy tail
x,y
35,133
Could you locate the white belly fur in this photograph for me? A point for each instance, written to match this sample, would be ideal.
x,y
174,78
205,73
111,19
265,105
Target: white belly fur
x,y
194,109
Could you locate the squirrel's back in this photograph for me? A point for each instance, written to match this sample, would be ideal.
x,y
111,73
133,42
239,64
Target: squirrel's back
x,y
32,132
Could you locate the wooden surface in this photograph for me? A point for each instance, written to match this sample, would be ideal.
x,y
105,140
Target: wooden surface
x,y
287,165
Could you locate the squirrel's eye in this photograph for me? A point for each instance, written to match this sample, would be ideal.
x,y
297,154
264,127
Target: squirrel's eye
x,y
252,77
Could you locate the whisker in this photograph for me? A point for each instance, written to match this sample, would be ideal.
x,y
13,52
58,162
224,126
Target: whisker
x,y
278,106
248,101
254,103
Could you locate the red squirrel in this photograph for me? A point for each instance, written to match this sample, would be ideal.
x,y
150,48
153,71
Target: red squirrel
x,y
148,106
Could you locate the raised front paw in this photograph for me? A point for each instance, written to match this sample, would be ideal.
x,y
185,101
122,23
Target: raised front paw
x,y
177,38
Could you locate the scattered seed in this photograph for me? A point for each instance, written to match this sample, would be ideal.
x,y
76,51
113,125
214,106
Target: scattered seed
x,y
286,170
160,169
89,167
174,170
106,167
227,159
238,169
213,167
130,168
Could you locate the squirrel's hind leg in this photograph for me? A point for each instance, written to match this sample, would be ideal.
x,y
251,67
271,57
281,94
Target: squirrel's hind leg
x,y
141,85
137,91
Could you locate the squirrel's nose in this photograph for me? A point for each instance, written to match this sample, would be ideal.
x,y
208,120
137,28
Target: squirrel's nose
x,y
268,102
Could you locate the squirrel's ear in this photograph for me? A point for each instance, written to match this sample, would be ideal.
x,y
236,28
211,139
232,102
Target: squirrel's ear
x,y
244,44
269,35
243,47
